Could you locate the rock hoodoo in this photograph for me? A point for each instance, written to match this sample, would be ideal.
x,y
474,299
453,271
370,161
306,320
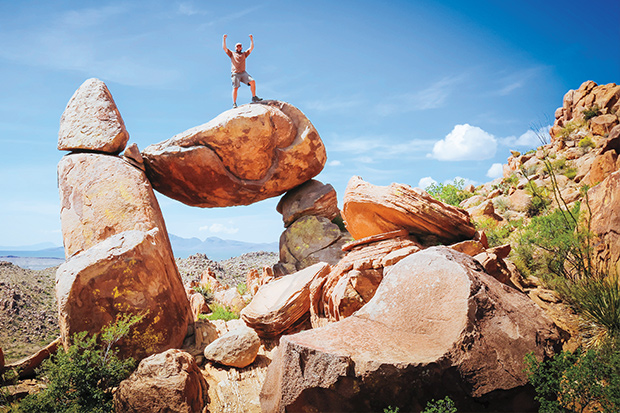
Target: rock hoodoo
x,y
242,156
437,325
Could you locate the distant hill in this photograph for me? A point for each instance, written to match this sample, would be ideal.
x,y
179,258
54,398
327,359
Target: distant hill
x,y
39,256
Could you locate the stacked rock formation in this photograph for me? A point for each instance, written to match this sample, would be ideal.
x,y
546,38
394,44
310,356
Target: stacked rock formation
x,y
119,258
311,236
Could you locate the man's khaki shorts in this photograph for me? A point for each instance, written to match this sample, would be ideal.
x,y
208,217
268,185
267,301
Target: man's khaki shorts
x,y
238,78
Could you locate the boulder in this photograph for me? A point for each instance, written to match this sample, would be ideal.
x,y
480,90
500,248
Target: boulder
x,y
133,156
282,303
129,272
168,382
310,198
100,196
602,166
603,124
229,298
369,210
205,333
353,282
312,239
244,155
91,121
209,281
198,305
237,348
605,222
437,325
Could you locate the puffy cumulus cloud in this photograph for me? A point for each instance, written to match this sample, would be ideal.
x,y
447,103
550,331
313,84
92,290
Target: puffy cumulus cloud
x,y
465,143
426,182
496,171
218,228
531,138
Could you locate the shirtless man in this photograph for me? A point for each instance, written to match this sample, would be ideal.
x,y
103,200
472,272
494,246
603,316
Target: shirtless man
x,y
239,75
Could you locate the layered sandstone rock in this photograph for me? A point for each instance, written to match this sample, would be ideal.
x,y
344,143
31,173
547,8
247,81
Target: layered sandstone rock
x,y
353,281
242,156
102,195
237,348
310,198
604,200
282,303
370,210
91,121
437,325
168,382
130,272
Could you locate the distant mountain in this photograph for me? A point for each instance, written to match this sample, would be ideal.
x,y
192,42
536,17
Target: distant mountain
x,y
45,255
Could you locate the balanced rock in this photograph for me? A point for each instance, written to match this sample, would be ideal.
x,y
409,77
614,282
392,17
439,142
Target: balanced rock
x,y
242,156
354,280
370,210
237,348
310,198
280,304
102,195
91,121
129,272
436,326
605,222
169,382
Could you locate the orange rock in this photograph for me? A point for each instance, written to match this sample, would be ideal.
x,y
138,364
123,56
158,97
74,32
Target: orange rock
x,y
434,316
208,280
198,305
237,348
91,121
604,199
602,166
310,198
603,124
242,156
369,210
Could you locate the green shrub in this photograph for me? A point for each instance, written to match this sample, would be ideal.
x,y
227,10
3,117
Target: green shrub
x,y
82,378
445,405
577,382
568,129
586,142
206,293
591,112
452,194
496,234
242,288
219,312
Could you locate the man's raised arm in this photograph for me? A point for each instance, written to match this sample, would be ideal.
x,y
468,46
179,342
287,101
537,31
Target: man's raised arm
x,y
251,44
224,43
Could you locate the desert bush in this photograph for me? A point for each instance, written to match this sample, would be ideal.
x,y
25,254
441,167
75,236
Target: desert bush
x,y
591,112
577,382
220,312
206,293
568,129
82,378
445,405
452,194
496,234
586,142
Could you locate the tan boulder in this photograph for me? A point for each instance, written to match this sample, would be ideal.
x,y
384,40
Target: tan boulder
x,y
102,195
168,382
229,298
436,326
469,247
237,348
354,280
242,156
604,200
281,304
198,305
520,200
209,281
603,124
310,198
369,210
134,157
205,333
602,166
91,121
127,273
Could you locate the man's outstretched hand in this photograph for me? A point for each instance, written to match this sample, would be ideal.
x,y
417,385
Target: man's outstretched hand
x,y
225,36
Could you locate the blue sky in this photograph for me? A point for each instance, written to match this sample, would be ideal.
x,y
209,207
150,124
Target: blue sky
x,y
400,91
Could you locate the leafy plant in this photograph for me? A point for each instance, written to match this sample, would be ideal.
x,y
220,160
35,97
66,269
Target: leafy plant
x,y
586,142
445,405
242,288
391,409
82,378
452,194
568,129
206,293
496,234
219,312
591,112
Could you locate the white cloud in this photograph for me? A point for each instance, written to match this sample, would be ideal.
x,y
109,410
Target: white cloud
x,y
496,171
219,228
531,138
465,143
380,147
426,182
334,163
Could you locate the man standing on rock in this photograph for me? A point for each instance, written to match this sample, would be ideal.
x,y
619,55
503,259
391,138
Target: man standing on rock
x,y
237,58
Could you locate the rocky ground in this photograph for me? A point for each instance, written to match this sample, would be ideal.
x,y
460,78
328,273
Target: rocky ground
x,y
28,319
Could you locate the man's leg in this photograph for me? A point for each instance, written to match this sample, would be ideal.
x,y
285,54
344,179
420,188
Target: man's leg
x,y
253,87
234,95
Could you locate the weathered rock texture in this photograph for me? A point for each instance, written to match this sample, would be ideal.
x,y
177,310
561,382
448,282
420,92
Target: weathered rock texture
x,y
102,195
237,348
242,156
283,303
437,325
129,272
310,198
166,382
605,224
91,121
370,210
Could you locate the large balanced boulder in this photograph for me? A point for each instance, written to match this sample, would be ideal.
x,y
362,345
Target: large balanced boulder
x,y
102,195
91,121
437,325
129,272
244,155
280,304
168,382
371,210
604,199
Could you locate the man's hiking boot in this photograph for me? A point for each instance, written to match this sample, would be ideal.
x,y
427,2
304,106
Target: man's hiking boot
x,y
234,105
256,99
